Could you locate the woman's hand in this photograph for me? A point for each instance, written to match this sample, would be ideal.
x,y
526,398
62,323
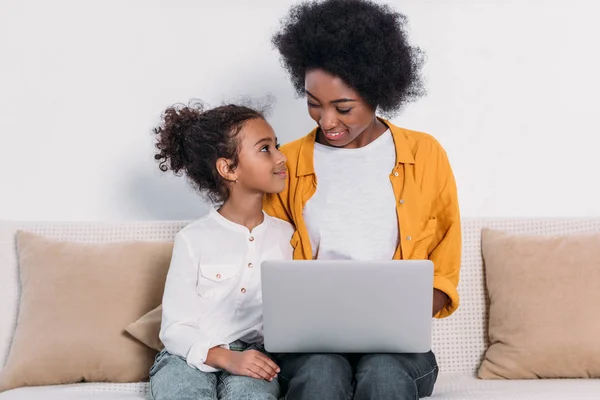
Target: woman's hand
x,y
440,299
250,363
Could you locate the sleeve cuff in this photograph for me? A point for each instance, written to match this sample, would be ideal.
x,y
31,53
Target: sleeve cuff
x,y
443,284
199,352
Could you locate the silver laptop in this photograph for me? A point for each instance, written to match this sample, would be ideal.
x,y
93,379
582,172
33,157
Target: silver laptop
x,y
347,306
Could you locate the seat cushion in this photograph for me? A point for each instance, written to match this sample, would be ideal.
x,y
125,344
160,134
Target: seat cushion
x,y
448,387
96,391
468,387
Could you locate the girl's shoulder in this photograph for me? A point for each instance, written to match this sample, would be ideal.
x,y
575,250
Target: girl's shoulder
x,y
198,226
278,224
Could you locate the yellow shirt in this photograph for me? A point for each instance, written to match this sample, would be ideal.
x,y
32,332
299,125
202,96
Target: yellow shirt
x,y
427,204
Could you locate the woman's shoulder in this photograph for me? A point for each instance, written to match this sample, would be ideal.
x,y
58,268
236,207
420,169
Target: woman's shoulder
x,y
299,154
293,146
304,143
414,137
421,145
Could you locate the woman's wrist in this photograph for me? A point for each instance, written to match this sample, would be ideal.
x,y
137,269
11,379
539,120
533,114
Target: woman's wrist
x,y
440,300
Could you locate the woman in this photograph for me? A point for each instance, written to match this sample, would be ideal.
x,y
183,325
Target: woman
x,y
360,187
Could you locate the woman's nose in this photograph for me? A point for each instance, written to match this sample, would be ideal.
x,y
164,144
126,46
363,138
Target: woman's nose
x,y
328,121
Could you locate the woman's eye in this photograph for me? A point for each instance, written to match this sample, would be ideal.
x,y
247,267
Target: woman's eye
x,y
344,110
312,105
265,148
277,146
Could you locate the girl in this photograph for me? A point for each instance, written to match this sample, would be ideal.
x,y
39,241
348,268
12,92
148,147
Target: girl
x,y
361,188
212,304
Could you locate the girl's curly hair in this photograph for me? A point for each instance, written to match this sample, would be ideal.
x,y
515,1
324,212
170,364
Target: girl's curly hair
x,y
191,139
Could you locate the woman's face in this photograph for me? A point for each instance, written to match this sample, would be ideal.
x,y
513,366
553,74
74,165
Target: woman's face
x,y
341,113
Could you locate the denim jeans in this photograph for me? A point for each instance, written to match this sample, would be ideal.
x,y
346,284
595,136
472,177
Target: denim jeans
x,y
357,376
171,378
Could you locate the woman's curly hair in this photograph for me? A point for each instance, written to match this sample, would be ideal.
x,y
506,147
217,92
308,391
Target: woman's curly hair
x,y
190,140
363,43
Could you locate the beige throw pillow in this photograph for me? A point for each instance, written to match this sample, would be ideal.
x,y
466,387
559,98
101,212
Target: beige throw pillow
x,y
544,294
76,300
147,329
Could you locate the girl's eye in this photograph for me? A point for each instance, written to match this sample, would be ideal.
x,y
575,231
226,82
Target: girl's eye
x,y
312,105
344,110
266,148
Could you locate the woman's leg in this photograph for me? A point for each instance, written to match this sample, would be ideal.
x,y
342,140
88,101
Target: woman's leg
x,y
316,376
172,379
395,376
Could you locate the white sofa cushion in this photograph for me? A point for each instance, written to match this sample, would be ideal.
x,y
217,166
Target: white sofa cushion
x,y
96,391
448,387
468,387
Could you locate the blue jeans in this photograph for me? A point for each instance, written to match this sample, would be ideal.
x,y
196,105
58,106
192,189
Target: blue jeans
x,y
357,376
171,378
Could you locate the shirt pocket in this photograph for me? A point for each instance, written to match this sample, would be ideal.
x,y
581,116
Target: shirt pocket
x,y
423,240
215,280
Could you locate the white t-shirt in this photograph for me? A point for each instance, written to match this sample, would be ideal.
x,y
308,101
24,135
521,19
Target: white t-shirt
x,y
352,215
212,295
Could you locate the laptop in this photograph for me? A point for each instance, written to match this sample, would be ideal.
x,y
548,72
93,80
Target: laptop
x,y
347,306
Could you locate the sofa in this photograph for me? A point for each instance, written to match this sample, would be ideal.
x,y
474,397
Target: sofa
x,y
458,341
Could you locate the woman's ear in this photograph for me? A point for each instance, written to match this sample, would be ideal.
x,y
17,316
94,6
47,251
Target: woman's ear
x,y
224,169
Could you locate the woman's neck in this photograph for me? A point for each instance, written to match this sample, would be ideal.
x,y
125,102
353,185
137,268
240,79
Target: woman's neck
x,y
374,131
244,210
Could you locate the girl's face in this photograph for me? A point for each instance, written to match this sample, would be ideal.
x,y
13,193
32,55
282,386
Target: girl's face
x,y
261,167
343,116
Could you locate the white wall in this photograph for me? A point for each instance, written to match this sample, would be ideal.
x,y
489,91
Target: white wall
x,y
513,87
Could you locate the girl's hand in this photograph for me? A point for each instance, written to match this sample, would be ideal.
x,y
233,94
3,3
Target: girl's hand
x,y
250,363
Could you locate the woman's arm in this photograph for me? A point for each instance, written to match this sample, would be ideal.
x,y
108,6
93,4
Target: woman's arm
x,y
446,255
440,299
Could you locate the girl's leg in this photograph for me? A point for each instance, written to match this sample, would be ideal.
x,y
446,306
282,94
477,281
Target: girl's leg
x,y
232,387
172,379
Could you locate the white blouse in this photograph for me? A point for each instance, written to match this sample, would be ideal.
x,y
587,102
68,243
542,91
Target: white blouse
x,y
212,294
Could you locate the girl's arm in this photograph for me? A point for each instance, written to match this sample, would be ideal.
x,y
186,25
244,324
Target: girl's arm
x,y
250,363
181,310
